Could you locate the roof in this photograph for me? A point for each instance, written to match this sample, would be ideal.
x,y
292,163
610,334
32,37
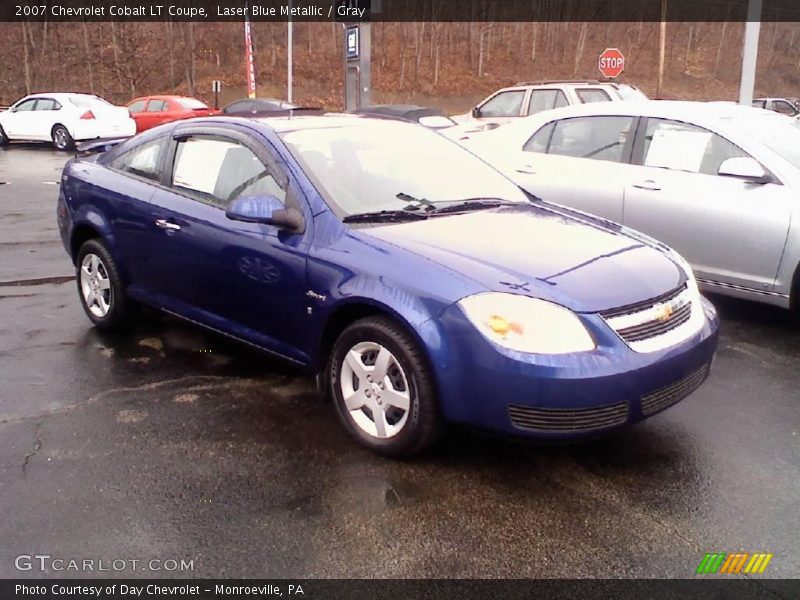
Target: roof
x,y
326,121
655,108
163,97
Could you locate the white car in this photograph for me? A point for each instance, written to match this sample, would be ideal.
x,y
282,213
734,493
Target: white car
x,y
64,119
717,181
510,104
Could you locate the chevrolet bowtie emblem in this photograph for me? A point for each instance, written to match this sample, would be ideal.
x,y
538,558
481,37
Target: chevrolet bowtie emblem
x,y
663,312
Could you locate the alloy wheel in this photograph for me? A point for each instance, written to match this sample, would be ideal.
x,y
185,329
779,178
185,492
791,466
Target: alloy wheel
x,y
375,390
95,286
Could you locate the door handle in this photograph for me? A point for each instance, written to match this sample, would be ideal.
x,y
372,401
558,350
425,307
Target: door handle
x,y
164,224
647,184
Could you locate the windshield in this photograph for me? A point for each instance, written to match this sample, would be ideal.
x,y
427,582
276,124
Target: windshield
x,y
779,133
88,101
380,166
191,103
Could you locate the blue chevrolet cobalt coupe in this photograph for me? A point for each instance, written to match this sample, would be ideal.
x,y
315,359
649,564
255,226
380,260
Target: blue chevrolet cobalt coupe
x,y
418,283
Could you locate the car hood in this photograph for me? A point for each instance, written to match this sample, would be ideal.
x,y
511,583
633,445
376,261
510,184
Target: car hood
x,y
541,252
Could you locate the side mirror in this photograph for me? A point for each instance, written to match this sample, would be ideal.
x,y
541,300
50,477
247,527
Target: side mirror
x,y
267,210
476,112
744,167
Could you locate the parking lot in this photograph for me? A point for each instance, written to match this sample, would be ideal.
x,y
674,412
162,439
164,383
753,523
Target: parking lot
x,y
172,443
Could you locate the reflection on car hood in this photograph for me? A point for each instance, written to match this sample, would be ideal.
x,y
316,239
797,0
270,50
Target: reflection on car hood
x,y
541,252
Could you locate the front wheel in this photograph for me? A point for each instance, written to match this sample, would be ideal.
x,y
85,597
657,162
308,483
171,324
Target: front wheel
x,y
62,138
100,288
3,137
383,389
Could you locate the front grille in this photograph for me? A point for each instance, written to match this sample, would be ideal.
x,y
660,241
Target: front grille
x,y
641,306
568,419
648,329
642,324
673,393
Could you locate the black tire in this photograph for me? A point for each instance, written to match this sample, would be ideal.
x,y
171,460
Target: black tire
x,y
62,138
423,423
3,137
121,309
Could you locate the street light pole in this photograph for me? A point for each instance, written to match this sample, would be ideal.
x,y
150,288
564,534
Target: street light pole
x,y
289,57
750,55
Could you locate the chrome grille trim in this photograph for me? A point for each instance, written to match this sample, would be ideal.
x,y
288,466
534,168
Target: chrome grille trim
x,y
658,323
568,419
673,393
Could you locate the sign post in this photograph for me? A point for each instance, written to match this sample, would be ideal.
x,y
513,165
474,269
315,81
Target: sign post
x,y
354,16
216,87
611,62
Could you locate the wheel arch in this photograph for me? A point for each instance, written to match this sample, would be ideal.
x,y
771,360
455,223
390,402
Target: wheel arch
x,y
794,291
347,313
80,235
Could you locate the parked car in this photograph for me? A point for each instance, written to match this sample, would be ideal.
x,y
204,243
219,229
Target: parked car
x,y
785,106
524,99
428,117
63,119
421,285
717,181
155,110
248,107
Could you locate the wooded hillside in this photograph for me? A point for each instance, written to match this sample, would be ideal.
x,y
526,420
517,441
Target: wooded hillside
x,y
448,64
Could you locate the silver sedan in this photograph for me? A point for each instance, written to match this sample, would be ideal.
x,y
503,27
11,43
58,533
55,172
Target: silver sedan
x,y
717,181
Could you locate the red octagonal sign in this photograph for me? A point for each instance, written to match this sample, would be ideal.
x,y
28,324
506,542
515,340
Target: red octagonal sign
x,y
611,62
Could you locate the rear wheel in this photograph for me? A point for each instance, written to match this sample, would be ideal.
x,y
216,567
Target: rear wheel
x,y
383,389
100,288
62,139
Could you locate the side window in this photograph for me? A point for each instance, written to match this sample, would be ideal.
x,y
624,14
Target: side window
x,y
26,106
136,107
600,138
545,100
683,147
504,104
540,140
45,104
217,171
142,161
587,95
238,107
156,106
784,108
760,103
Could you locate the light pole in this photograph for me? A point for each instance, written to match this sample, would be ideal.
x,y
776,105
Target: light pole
x,y
289,57
750,55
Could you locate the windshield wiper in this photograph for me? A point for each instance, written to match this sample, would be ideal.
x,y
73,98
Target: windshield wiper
x,y
385,215
472,204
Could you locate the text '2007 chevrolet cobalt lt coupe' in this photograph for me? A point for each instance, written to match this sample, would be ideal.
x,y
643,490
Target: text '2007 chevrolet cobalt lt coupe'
x,y
421,285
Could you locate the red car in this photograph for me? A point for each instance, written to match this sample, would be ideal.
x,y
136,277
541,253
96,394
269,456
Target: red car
x,y
150,111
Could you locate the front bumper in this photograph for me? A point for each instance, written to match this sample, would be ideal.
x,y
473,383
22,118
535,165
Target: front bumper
x,y
568,396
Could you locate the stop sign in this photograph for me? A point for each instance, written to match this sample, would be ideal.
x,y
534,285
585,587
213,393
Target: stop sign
x,y
611,62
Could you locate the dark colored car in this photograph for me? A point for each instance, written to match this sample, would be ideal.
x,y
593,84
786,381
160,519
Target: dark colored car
x,y
429,117
418,283
150,111
262,107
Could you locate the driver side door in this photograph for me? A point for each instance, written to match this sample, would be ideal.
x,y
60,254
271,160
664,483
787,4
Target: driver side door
x,y
245,279
18,123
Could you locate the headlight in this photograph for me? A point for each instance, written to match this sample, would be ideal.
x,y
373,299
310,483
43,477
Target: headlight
x,y
527,324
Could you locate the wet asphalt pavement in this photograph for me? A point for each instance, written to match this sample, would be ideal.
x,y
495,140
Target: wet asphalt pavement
x,y
171,443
